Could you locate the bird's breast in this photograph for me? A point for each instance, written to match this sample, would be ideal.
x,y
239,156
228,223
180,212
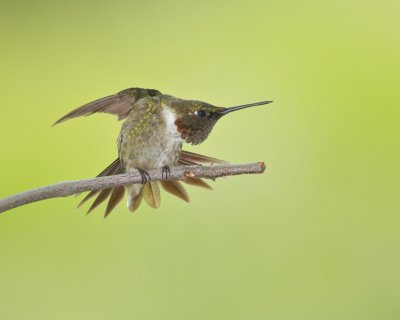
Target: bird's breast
x,y
150,142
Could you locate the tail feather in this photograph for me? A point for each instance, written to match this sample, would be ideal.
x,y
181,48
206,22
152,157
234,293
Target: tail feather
x,y
150,191
151,194
102,195
115,198
175,188
197,182
100,199
113,168
91,194
135,197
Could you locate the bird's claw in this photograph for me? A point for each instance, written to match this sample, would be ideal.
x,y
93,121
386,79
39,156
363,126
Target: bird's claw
x,y
166,171
145,176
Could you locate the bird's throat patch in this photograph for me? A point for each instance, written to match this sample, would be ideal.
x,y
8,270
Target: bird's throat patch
x,y
183,129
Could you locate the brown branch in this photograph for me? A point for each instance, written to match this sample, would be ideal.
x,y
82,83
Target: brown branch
x,y
68,188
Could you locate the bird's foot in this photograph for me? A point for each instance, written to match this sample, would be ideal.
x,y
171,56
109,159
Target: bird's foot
x,y
145,175
166,171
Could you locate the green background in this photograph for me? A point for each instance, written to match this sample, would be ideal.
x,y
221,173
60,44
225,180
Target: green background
x,y
316,237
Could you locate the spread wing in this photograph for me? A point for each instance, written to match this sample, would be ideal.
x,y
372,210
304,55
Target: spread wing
x,y
190,158
118,104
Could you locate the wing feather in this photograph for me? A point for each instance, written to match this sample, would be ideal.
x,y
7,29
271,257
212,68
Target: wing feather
x,y
118,104
196,158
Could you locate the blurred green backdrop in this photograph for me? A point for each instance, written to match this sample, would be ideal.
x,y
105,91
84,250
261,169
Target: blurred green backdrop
x,y
316,237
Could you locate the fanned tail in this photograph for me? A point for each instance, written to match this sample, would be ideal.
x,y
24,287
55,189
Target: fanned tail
x,y
135,197
175,187
151,194
150,191
116,193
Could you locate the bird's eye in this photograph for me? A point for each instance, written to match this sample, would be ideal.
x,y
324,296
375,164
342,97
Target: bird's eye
x,y
201,113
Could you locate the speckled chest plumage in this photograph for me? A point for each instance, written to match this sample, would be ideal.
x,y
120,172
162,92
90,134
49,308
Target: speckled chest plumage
x,y
149,138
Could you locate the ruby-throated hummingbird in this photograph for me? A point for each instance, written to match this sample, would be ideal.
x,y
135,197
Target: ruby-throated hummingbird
x,y
155,127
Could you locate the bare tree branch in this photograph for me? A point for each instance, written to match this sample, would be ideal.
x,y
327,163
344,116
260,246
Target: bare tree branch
x,y
68,188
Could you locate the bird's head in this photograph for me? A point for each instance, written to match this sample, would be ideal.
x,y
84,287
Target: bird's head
x,y
195,119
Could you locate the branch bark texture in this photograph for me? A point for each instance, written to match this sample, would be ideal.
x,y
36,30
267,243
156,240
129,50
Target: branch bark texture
x,y
68,188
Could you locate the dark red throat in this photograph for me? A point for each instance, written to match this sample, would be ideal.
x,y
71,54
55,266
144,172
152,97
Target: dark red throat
x,y
183,129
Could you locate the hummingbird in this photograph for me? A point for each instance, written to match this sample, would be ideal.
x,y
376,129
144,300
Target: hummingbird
x,y
154,129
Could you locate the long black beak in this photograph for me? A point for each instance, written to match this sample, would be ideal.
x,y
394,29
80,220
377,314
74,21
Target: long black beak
x,y
230,109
